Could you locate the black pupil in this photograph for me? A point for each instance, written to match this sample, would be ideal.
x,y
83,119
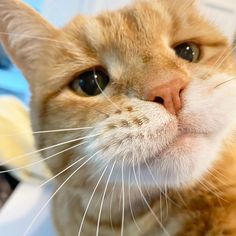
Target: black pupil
x,y
185,51
93,82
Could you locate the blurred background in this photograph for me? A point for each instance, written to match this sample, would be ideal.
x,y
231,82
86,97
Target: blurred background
x,y
14,117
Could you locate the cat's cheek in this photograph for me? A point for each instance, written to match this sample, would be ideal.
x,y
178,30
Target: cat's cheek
x,y
186,161
208,109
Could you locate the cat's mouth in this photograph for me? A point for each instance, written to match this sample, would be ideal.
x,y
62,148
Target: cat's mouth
x,y
183,139
179,163
172,155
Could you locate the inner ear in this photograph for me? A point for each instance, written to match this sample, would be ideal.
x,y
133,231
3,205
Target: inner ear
x,y
26,36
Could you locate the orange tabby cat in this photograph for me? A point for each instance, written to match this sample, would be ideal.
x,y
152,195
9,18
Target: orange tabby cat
x,y
151,92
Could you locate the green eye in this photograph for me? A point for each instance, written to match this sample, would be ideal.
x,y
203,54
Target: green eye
x,y
188,51
91,82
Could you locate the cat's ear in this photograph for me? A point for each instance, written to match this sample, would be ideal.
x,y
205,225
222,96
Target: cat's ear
x,y
25,35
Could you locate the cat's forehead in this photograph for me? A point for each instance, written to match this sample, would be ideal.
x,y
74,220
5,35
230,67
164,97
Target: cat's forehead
x,y
143,25
127,27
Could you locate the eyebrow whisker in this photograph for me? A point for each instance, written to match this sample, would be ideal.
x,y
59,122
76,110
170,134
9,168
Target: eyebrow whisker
x,y
227,81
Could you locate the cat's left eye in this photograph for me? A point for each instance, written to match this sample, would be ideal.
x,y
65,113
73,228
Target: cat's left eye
x,y
91,82
188,51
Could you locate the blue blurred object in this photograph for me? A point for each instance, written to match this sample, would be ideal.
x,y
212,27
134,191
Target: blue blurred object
x,y
5,63
12,82
36,4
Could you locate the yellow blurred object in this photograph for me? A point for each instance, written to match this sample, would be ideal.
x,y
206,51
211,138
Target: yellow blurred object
x,y
17,148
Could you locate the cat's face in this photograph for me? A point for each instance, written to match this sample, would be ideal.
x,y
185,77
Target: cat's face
x,y
162,108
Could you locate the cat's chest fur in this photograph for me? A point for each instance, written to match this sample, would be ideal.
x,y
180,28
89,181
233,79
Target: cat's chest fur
x,y
204,210
212,220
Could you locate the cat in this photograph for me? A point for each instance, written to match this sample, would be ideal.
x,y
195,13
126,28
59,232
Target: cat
x,y
147,97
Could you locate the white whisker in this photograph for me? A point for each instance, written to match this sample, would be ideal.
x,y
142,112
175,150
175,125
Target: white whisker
x,y
166,194
46,131
103,197
58,189
219,173
163,193
46,148
131,209
225,57
161,206
123,201
149,207
217,178
225,82
220,61
40,161
211,191
90,200
111,201
63,171
104,94
185,204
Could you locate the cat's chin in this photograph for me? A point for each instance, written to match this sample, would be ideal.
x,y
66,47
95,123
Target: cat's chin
x,y
180,165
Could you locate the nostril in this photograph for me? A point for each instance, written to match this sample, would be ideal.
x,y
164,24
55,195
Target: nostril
x,y
159,100
168,94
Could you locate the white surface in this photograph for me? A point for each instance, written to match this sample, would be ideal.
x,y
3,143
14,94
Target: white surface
x,y
60,11
20,210
223,14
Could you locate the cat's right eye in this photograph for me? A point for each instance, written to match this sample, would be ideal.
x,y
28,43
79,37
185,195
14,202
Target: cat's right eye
x,y
91,82
188,51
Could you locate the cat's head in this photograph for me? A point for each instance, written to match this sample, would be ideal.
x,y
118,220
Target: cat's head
x,y
150,90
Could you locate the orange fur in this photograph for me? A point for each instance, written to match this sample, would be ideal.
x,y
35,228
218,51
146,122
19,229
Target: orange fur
x,y
135,45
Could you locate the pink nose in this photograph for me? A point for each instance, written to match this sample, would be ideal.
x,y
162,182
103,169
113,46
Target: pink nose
x,y
168,94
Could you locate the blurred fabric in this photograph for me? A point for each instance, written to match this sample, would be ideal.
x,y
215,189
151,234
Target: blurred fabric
x,y
17,150
5,190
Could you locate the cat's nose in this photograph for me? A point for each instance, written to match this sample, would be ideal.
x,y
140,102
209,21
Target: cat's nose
x,y
168,94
